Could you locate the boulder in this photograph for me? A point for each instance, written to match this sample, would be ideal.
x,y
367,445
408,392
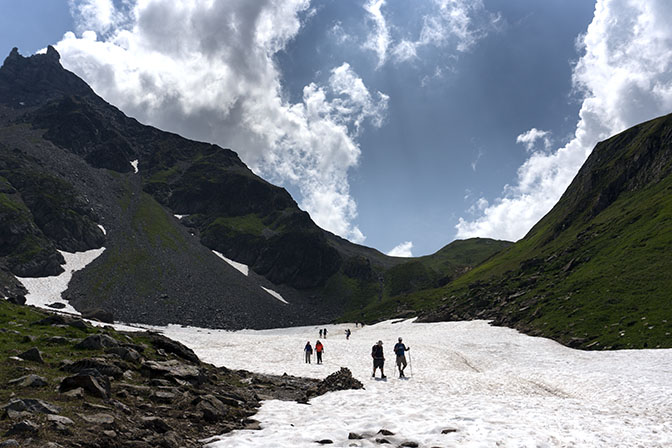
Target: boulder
x,y
170,369
23,427
97,342
125,353
212,409
355,436
174,347
99,314
103,367
90,380
60,340
59,419
101,419
385,432
57,305
9,443
156,424
32,354
17,300
31,405
28,381
341,380
409,444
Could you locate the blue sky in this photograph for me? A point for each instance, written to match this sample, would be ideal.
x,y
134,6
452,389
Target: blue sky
x,y
395,124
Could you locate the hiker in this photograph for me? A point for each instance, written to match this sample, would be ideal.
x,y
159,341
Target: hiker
x,y
320,332
319,348
309,351
325,333
378,359
399,350
347,333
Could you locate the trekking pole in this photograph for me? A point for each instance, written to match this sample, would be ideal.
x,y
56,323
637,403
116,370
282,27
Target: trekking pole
x,y
410,362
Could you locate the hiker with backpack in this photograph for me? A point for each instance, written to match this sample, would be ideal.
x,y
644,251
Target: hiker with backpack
x,y
319,349
378,359
400,350
347,333
309,351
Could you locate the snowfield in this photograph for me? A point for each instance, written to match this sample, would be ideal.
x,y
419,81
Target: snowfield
x,y
470,385
490,386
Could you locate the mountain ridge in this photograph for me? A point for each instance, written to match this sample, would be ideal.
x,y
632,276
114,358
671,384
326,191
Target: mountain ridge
x,y
76,156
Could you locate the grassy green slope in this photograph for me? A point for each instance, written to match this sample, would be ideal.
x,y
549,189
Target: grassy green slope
x,y
382,289
596,271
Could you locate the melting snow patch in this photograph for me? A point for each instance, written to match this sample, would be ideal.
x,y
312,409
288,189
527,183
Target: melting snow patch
x,y
180,216
43,291
239,266
103,229
275,294
135,165
483,386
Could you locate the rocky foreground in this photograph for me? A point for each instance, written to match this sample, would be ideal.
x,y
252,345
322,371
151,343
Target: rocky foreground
x,y
65,383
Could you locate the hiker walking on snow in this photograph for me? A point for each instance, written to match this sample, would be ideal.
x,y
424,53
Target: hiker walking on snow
x,y
319,348
399,350
321,332
378,359
309,351
325,333
347,333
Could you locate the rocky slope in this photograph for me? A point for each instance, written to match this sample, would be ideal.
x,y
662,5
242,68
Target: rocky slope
x,y
66,383
68,165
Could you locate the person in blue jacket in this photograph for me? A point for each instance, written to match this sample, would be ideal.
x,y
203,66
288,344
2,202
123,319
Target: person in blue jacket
x,y
309,351
400,350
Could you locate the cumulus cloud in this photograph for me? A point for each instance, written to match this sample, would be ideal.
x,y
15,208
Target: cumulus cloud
x,y
206,70
529,138
625,77
405,249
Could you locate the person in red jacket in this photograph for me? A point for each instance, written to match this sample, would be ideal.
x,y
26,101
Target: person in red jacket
x,y
319,348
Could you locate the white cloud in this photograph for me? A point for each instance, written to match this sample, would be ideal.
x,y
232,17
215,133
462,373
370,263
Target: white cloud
x,y
529,138
402,250
378,39
95,15
206,70
625,76
451,23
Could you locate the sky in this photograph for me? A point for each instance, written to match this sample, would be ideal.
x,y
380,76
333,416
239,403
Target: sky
x,y
398,125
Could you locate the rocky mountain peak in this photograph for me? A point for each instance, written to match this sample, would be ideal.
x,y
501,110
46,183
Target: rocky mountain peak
x,y
37,79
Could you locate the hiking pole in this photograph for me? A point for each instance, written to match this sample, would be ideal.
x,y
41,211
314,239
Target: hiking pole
x,y
410,362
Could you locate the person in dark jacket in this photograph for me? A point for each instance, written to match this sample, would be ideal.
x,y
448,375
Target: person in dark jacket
x,y
400,350
309,351
378,359
319,348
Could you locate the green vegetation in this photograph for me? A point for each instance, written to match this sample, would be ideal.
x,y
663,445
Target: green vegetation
x,y
595,272
389,292
250,224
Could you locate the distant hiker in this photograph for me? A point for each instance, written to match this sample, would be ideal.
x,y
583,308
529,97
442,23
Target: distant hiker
x,y
320,332
325,333
309,351
378,359
347,333
319,348
399,350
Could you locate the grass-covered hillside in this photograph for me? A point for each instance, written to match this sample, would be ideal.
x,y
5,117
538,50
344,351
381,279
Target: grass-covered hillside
x,y
370,290
596,270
